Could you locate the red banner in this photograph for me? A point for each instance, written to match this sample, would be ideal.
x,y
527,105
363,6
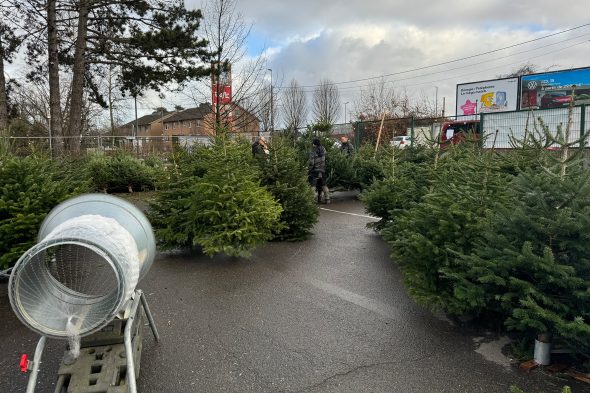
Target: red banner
x,y
223,95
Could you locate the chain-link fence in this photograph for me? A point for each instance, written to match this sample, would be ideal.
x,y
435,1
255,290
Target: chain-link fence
x,y
499,130
81,145
502,130
421,130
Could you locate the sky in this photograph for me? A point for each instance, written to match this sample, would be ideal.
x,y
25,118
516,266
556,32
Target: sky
x,y
406,42
310,40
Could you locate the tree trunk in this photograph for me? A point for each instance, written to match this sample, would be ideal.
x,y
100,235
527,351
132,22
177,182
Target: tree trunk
x,y
55,123
79,70
3,98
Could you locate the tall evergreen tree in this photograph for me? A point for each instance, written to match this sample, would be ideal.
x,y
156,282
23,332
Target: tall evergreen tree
x,y
9,42
153,42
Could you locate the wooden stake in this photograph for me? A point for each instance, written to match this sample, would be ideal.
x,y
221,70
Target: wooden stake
x,y
379,134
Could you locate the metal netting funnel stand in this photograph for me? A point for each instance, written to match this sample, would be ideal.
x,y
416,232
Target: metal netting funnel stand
x,y
83,273
133,309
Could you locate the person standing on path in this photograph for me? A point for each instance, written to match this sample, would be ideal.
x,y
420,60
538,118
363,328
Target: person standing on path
x,y
346,147
317,171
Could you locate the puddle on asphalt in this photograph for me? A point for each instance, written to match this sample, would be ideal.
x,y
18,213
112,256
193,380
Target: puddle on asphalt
x,y
492,350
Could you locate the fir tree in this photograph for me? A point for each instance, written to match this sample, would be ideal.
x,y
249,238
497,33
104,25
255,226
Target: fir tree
x,y
225,210
388,197
447,220
531,267
286,179
29,188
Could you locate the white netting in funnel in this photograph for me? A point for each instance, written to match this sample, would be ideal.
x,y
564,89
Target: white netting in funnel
x,y
77,278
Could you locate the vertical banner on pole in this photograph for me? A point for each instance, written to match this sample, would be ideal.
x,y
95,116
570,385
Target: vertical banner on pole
x,y
221,90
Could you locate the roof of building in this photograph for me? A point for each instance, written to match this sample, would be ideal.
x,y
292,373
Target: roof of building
x,y
149,119
197,113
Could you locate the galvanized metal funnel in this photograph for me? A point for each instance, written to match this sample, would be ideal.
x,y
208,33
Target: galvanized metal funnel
x,y
92,251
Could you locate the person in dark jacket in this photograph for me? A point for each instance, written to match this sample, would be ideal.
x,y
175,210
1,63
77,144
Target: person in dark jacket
x,y
317,171
346,147
260,148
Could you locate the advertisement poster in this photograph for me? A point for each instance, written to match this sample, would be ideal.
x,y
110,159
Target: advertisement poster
x,y
221,90
498,95
555,89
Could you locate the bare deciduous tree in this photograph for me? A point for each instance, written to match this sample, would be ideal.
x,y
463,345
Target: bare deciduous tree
x,y
294,105
378,99
226,31
32,100
266,106
524,69
326,102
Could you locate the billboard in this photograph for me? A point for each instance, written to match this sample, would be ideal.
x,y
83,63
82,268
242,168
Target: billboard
x,y
499,95
555,89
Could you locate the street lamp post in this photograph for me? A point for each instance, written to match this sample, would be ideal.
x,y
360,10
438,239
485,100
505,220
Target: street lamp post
x,y
436,102
271,103
346,103
50,136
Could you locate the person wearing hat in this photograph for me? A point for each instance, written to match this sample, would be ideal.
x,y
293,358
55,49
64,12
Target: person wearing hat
x,y
317,171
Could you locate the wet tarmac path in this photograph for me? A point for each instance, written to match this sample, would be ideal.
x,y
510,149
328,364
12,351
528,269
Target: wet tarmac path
x,y
329,314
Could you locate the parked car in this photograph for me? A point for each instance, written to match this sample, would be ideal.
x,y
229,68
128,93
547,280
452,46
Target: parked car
x,y
401,141
455,132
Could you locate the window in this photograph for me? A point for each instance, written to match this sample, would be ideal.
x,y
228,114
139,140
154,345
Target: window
x,y
189,124
166,126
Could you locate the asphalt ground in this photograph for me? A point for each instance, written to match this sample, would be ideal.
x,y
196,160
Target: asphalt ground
x,y
329,314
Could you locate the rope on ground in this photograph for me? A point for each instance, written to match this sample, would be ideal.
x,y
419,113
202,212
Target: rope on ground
x,y
5,273
350,214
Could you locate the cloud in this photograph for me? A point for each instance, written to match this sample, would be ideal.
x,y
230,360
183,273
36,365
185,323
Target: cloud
x,y
357,51
349,40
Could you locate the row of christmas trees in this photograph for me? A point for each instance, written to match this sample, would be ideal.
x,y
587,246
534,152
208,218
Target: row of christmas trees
x,y
499,236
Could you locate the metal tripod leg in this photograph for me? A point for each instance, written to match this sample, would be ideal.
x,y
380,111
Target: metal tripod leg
x,y
128,339
36,363
129,346
149,315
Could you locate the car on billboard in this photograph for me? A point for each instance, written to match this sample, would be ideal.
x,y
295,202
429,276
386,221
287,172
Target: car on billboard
x,y
555,89
555,100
